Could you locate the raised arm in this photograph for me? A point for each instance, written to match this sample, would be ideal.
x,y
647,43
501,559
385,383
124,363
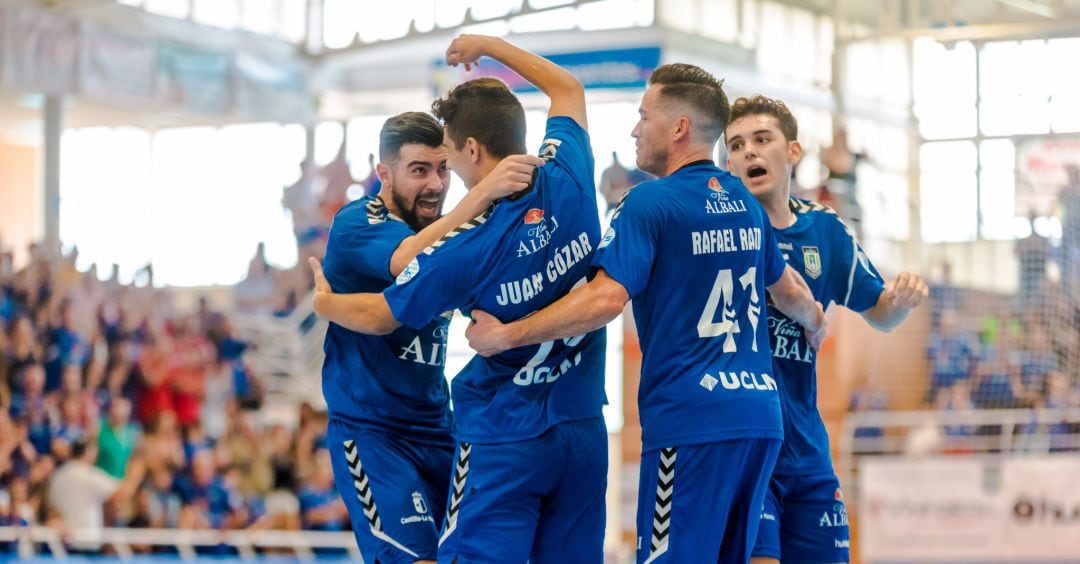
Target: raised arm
x,y
792,296
566,93
511,175
585,309
363,313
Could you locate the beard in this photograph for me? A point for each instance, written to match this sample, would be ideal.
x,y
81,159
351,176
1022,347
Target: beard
x,y
653,162
407,211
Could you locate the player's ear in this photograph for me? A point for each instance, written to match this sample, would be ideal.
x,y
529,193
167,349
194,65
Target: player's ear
x,y
681,128
384,173
795,152
473,149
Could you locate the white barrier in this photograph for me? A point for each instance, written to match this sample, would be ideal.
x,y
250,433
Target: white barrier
x,y
301,543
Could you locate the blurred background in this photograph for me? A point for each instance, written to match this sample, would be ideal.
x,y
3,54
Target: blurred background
x,y
166,166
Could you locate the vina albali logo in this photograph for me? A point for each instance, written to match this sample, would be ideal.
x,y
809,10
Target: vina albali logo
x,y
534,216
720,201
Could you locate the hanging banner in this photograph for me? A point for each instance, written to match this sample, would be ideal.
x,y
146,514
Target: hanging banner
x,y
612,68
1040,172
193,78
117,68
961,509
270,88
38,51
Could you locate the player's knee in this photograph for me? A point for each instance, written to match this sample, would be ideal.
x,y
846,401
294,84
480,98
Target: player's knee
x,y
764,560
426,562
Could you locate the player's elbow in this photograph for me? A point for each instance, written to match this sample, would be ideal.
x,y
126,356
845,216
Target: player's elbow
x,y
608,306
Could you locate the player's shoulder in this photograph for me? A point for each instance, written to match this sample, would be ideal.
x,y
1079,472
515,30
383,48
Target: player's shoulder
x,y
824,218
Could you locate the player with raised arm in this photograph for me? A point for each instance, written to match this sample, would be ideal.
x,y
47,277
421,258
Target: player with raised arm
x,y
695,252
389,433
804,518
531,471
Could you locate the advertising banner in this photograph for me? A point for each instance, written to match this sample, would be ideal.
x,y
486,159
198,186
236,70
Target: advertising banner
x,y
193,78
117,68
38,51
965,509
611,68
1040,172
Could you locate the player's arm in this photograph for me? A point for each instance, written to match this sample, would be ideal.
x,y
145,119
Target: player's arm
x,y
566,93
792,296
585,309
363,312
511,175
900,296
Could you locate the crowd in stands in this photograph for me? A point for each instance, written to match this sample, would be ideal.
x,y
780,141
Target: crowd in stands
x,y
119,411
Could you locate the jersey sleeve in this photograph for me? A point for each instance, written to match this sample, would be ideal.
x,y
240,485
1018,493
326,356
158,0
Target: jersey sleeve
x,y
628,248
566,145
446,279
366,248
774,257
857,282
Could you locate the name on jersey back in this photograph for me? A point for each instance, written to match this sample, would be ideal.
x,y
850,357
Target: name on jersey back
x,y
527,288
723,240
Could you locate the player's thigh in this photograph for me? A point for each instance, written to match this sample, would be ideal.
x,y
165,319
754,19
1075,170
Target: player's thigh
x,y
814,526
767,545
571,526
494,503
389,501
696,502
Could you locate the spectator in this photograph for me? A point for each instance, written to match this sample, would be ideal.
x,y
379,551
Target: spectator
x,y
78,491
841,165
321,508
951,356
117,439
208,502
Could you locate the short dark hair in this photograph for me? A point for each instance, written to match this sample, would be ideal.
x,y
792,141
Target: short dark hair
x,y
698,89
409,127
486,110
762,105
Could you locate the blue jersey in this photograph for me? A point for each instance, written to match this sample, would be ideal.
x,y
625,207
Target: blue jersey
x,y
383,382
695,252
518,257
822,249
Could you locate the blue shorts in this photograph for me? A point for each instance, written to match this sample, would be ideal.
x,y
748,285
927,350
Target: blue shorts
x,y
395,490
804,520
540,500
702,503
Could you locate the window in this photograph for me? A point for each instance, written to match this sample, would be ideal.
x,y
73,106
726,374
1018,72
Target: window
x,y
944,85
948,191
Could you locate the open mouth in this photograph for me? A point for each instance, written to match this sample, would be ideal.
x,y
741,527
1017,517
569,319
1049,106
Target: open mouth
x,y
428,205
756,171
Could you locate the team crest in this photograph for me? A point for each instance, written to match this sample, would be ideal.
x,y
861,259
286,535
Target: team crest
x,y
418,503
534,216
811,261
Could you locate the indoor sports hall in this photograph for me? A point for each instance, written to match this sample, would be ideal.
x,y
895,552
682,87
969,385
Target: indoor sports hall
x,y
170,175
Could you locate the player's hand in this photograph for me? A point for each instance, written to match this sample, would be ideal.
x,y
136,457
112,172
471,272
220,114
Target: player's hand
x,y
487,335
817,338
323,291
513,174
907,290
466,49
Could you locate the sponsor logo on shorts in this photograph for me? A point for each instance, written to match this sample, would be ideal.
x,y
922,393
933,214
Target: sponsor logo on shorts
x,y
418,503
767,516
842,543
839,495
835,518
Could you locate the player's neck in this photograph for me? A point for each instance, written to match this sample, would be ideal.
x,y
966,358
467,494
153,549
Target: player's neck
x,y
777,208
683,158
